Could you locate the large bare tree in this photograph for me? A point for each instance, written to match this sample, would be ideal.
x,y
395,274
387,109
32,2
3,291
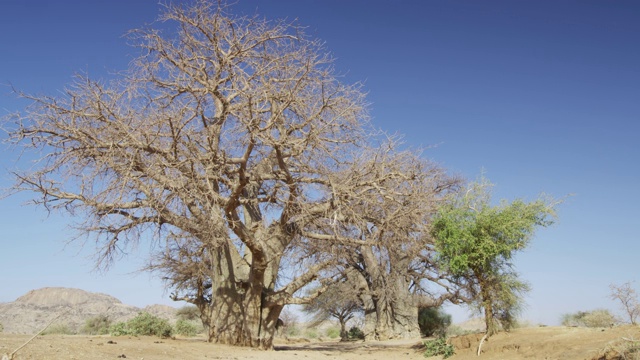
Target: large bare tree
x,y
231,147
394,267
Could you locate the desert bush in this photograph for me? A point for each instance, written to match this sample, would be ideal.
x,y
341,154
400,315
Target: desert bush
x,y
189,312
311,334
59,329
624,348
1,327
355,333
292,331
599,318
147,324
333,332
455,330
437,347
143,324
433,321
593,318
97,325
186,328
120,329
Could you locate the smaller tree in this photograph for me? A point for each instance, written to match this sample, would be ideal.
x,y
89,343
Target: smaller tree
x,y
433,321
628,299
339,301
476,243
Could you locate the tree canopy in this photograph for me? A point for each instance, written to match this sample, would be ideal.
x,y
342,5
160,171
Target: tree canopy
x,y
231,148
476,242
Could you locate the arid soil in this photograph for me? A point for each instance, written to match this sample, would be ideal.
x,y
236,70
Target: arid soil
x,y
530,343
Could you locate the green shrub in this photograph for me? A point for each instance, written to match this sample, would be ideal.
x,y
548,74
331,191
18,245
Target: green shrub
x,y
333,332
186,328
59,329
292,331
188,312
438,347
311,334
593,318
120,329
98,325
355,333
147,324
143,324
433,321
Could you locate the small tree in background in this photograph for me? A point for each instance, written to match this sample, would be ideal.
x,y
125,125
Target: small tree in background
x,y
340,301
628,299
476,242
433,321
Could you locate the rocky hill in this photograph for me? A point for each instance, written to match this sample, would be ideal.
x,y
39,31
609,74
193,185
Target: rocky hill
x,y
32,311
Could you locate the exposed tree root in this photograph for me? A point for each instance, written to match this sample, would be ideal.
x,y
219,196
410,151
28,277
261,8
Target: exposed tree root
x,y
481,342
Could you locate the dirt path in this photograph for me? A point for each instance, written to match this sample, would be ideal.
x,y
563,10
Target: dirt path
x,y
531,343
78,347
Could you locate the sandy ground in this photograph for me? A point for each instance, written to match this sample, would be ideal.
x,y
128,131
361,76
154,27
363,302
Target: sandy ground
x,y
531,343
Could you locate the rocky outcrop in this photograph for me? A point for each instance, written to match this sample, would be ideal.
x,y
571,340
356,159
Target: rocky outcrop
x,y
32,311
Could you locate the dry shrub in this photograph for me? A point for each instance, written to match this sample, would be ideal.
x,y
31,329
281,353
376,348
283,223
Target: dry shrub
x,y
621,349
593,318
59,329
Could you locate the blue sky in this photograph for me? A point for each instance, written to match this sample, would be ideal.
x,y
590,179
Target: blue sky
x,y
542,95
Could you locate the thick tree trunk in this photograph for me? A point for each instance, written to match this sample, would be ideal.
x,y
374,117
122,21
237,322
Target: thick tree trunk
x,y
237,313
397,316
389,306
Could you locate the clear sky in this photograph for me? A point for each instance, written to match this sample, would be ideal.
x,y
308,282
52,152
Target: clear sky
x,y
542,95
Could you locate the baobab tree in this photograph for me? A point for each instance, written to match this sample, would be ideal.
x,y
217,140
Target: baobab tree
x,y
396,269
393,268
230,145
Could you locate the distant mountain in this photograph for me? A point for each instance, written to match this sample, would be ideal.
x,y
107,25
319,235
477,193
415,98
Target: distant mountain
x,y
32,311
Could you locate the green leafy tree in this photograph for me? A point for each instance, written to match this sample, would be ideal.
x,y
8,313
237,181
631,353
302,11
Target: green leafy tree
x,y
433,321
476,241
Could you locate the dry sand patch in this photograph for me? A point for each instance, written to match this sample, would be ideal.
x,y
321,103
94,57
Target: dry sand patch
x,y
530,343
